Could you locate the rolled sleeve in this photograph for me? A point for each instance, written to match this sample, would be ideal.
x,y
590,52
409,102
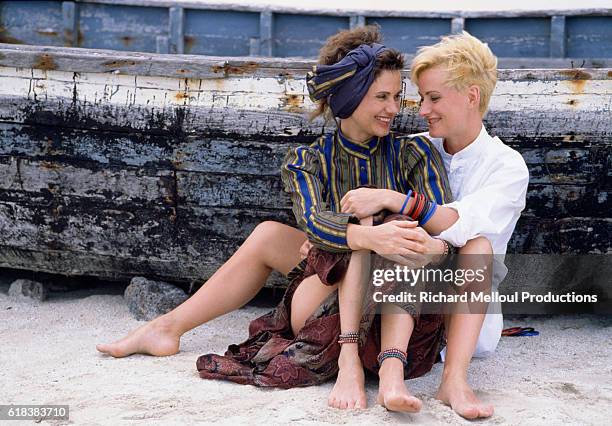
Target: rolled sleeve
x,y
303,181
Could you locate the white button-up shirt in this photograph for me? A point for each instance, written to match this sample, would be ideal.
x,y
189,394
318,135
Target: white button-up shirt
x,y
489,184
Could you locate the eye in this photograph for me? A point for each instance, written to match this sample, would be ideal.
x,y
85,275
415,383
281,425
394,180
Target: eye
x,y
435,98
382,97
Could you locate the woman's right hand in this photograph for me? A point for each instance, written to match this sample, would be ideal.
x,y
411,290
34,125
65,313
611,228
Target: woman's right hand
x,y
397,237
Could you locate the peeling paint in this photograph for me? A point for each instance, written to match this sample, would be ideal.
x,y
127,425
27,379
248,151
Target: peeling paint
x,y
47,32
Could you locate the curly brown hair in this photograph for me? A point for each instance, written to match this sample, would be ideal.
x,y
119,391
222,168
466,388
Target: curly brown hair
x,y
339,45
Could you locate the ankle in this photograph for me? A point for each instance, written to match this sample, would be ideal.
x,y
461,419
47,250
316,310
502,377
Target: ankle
x,y
349,355
391,368
454,376
169,323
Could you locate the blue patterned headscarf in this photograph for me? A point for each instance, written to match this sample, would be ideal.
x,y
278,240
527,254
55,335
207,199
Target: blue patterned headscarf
x,y
345,83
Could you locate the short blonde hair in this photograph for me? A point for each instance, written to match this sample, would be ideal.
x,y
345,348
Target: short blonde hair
x,y
467,60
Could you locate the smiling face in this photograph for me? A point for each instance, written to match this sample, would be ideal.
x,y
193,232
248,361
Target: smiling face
x,y
448,111
375,113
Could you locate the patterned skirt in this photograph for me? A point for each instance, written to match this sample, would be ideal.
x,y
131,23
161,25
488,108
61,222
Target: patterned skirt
x,y
273,356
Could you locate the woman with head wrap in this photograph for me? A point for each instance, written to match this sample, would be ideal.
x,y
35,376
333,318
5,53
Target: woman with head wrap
x,y
358,82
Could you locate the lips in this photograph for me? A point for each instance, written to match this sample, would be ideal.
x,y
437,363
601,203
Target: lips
x,y
432,121
385,120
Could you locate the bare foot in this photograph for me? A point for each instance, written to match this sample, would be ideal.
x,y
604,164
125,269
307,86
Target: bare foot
x,y
392,391
458,394
158,338
349,390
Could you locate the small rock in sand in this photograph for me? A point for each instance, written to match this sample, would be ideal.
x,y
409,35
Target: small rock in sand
x,y
149,299
28,290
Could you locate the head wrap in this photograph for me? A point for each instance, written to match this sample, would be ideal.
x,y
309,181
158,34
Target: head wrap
x,y
345,83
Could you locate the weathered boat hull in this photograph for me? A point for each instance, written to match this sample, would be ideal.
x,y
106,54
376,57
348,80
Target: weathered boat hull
x,y
521,38
109,169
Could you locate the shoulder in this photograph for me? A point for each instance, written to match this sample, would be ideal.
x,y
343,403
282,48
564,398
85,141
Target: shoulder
x,y
505,157
418,143
307,156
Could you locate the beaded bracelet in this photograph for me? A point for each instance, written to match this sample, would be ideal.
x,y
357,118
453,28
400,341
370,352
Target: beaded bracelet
x,y
350,337
392,353
406,201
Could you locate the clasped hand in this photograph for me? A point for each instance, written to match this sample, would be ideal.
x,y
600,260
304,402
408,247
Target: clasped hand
x,y
363,202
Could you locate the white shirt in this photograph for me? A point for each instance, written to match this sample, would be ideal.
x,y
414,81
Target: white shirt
x,y
489,184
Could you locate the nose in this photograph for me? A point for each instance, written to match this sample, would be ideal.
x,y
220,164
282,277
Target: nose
x,y
393,107
424,109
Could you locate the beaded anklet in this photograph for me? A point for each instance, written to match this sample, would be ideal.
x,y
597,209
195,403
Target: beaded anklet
x,y
350,337
392,353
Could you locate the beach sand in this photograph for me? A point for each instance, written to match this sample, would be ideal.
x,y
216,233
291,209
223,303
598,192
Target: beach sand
x,y
563,376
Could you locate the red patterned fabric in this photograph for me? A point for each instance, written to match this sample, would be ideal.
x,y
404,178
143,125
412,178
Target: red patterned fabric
x,y
273,356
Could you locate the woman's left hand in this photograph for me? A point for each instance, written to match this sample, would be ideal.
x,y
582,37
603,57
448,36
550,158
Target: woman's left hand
x,y
363,202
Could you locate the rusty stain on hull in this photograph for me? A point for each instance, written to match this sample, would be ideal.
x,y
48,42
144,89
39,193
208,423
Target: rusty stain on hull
x,y
126,40
294,103
45,62
119,63
189,42
578,79
6,38
228,69
182,96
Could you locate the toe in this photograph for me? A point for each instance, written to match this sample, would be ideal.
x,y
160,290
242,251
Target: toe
x,y
469,412
486,411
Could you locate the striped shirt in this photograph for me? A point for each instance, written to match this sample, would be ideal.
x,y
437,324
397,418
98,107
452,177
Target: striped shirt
x,y
318,176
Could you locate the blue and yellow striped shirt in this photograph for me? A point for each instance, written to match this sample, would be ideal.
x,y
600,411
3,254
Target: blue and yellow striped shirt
x,y
319,175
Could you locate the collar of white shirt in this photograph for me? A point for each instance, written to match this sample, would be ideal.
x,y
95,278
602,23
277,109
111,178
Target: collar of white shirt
x,y
473,149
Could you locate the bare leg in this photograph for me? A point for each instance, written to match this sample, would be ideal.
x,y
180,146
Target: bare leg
x,y
462,335
271,246
349,390
396,328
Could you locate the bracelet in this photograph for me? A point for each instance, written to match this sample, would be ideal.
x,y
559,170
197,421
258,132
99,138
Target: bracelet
x,y
446,249
419,209
406,201
414,204
350,337
392,353
429,214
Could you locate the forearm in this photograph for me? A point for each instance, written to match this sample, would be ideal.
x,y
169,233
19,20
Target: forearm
x,y
443,218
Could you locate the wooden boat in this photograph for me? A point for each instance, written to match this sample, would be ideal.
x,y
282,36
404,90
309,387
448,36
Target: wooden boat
x,y
115,164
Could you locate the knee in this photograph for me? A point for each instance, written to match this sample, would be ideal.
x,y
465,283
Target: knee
x,y
266,230
478,245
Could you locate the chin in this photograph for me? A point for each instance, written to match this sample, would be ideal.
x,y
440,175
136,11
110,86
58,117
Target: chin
x,y
381,132
436,133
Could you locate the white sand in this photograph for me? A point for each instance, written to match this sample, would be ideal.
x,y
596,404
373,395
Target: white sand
x,y
48,356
